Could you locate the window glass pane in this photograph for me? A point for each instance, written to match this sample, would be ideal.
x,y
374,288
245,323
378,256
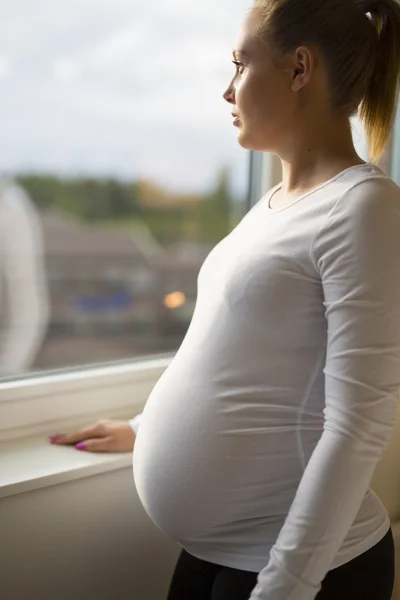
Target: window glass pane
x,y
395,154
360,138
121,166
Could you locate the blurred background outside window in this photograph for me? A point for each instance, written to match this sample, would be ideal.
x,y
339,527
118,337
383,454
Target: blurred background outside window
x,y
127,174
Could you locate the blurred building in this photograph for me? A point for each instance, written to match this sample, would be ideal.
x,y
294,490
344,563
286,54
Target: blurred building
x,y
114,294
178,272
99,279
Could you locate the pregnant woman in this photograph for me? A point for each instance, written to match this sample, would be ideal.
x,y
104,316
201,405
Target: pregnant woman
x,y
257,446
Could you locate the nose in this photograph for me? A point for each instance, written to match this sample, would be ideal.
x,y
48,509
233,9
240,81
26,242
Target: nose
x,y
229,94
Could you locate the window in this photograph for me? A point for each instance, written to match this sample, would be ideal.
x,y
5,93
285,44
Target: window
x,y
395,162
128,173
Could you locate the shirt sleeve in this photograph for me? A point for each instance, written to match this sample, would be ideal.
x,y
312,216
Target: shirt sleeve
x,y
134,423
356,254
26,311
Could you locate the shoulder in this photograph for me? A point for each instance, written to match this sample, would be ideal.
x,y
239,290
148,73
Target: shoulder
x,y
369,196
364,222
364,206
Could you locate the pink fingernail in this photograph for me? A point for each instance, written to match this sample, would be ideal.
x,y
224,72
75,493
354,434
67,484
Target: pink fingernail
x,y
81,446
54,438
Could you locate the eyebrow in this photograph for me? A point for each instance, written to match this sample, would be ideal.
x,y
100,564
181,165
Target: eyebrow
x,y
239,52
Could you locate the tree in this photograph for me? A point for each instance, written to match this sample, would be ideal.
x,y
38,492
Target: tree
x,y
215,213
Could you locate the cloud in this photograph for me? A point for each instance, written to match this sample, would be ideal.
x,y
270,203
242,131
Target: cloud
x,y
65,69
5,66
124,87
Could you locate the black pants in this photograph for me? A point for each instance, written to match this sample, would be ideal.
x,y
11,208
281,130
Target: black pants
x,y
370,576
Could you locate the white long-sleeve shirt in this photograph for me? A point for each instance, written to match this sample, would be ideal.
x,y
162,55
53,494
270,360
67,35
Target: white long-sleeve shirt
x,y
23,293
135,422
257,445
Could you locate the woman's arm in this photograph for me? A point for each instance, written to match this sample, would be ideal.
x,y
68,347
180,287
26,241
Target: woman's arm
x,y
357,253
107,435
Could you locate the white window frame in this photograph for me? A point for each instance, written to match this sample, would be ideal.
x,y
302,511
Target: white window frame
x,y
52,402
395,163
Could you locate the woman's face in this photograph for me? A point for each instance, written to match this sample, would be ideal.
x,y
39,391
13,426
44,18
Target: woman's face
x,y
259,93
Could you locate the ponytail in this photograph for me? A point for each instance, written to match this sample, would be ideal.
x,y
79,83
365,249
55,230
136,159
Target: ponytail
x,y
360,40
379,104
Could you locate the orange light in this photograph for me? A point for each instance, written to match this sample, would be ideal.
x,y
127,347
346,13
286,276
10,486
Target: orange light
x,y
174,300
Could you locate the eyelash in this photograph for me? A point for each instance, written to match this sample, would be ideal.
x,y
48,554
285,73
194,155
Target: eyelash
x,y
238,64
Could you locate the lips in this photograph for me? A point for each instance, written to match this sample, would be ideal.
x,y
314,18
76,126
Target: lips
x,y
236,118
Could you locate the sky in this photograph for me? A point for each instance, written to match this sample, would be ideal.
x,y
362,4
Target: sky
x,y
120,87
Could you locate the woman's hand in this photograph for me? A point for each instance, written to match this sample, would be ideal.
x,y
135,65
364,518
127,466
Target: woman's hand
x,y
103,436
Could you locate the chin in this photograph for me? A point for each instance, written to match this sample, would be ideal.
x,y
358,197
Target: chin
x,y
249,142
255,145
244,141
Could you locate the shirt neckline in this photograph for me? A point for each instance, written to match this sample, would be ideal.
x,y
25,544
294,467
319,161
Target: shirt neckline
x,y
275,189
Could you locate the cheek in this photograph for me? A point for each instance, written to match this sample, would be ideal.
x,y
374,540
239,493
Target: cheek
x,y
258,99
247,95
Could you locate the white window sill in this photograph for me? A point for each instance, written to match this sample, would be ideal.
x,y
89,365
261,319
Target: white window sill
x,y
33,463
31,409
59,402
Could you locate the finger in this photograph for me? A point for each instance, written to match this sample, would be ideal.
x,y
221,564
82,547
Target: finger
x,y
76,436
96,445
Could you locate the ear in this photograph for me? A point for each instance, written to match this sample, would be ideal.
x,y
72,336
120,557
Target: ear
x,y
303,62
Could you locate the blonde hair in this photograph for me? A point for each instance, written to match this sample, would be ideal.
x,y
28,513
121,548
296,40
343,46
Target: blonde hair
x,y
360,42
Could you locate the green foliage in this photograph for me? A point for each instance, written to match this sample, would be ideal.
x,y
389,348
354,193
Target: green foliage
x,y
215,214
87,198
115,203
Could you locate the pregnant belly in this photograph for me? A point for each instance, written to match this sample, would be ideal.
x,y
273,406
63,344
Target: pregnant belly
x,y
197,476
175,472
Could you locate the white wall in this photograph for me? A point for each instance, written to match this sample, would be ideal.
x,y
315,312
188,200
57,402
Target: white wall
x,y
88,539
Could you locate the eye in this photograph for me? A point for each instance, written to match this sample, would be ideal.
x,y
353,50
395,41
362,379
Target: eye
x,y
239,66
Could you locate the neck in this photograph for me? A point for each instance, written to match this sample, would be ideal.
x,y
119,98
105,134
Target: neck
x,y
316,154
